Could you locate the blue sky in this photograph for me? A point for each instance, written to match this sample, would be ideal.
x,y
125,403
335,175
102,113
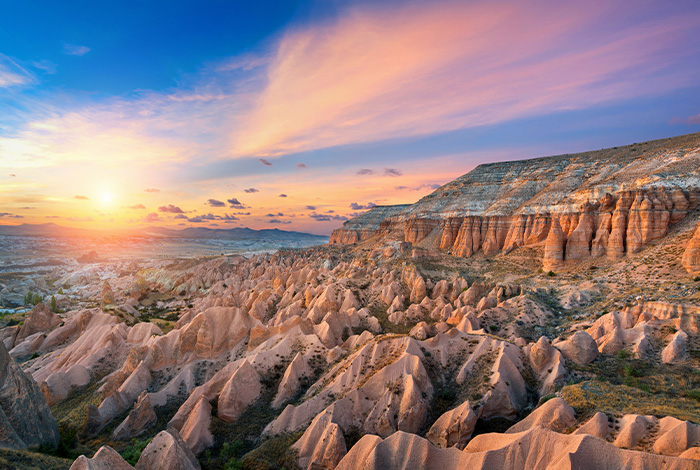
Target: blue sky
x,y
347,102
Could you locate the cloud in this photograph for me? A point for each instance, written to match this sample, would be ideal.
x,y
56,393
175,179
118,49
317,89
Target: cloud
x,y
10,216
355,206
326,217
301,165
689,120
392,172
12,74
82,198
251,190
265,162
45,65
279,221
430,67
152,190
365,171
170,209
75,49
52,217
198,219
80,219
282,195
419,187
216,203
152,217
137,206
12,175
235,203
311,208
279,214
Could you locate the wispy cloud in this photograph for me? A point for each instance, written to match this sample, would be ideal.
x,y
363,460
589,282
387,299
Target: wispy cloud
x,y
75,49
396,72
12,73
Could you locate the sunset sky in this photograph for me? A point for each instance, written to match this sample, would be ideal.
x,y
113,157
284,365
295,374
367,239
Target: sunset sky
x,y
298,115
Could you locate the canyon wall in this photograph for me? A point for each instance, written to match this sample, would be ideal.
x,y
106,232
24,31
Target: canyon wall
x,y
606,203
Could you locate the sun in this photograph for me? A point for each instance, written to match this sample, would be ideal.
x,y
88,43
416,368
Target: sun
x,y
106,197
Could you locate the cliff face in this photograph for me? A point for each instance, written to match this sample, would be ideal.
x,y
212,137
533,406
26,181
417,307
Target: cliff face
x,y
603,203
365,225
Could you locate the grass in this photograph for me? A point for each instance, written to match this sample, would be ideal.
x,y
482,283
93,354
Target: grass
x,y
27,460
591,396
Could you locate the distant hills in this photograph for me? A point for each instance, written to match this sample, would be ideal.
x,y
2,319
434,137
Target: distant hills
x,y
237,233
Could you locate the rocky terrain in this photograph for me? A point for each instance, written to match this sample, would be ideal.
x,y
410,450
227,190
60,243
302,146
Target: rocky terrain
x,y
541,314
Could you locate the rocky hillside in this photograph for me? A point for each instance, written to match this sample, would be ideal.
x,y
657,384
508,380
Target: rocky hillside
x,y
605,203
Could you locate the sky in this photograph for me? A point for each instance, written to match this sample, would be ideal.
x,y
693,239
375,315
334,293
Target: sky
x,y
298,115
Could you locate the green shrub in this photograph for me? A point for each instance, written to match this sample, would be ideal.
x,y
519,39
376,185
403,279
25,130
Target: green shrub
x,y
133,453
551,273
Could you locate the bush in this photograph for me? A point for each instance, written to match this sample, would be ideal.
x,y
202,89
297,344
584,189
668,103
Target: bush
x,y
551,274
133,453
53,303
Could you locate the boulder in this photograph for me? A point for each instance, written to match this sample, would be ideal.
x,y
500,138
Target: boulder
x,y
41,320
25,418
581,348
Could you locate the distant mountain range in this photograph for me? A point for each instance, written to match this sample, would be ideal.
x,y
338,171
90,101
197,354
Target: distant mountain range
x,y
237,233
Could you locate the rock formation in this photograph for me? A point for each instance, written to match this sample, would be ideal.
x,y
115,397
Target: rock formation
x,y
25,418
611,209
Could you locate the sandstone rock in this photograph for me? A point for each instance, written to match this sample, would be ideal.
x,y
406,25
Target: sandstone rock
x,y
691,255
167,451
25,418
41,320
554,248
140,419
597,426
290,383
242,389
454,427
581,348
676,436
537,449
105,458
195,432
578,245
555,414
676,349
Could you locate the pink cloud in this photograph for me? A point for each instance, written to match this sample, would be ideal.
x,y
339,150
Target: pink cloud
x,y
378,74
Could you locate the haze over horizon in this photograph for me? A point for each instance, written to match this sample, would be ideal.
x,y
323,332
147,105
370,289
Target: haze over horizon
x,y
299,115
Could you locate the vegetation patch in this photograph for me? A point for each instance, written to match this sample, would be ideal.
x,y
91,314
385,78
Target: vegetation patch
x,y
589,397
27,460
